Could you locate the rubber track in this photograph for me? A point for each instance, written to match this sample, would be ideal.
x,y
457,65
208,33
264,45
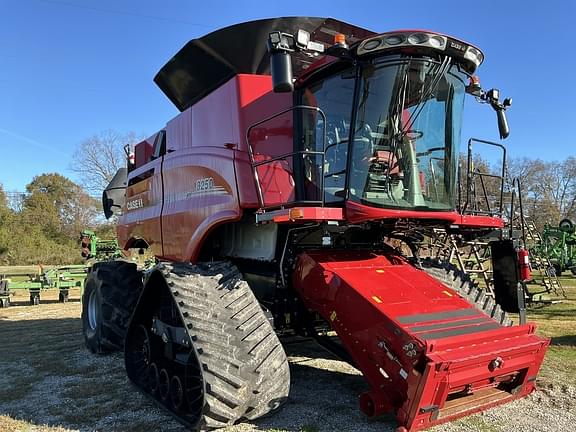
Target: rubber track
x,y
245,370
460,282
120,286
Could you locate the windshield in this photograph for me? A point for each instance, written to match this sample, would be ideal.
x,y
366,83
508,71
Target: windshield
x,y
406,135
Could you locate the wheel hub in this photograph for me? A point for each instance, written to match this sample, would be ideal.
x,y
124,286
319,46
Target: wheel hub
x,y
92,311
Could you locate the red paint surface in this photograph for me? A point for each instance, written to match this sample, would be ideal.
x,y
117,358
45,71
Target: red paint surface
x,y
356,213
363,295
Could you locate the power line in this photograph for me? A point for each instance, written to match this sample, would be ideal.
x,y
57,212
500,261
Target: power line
x,y
118,12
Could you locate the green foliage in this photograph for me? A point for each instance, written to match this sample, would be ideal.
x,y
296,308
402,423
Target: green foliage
x,y
45,229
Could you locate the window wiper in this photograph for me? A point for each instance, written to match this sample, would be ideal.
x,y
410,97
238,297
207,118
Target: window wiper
x,y
397,137
425,95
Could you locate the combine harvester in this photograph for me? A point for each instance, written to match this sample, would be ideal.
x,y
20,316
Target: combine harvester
x,y
304,145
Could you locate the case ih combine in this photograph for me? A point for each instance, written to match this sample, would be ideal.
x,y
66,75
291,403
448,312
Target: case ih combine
x,y
304,148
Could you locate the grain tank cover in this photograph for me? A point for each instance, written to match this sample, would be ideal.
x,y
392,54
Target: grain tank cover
x,y
204,64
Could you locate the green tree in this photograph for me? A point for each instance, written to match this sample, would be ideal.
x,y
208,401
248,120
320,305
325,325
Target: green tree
x,y
5,217
59,206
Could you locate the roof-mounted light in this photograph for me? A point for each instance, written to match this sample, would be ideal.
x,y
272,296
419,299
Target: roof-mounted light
x,y
474,55
421,39
390,40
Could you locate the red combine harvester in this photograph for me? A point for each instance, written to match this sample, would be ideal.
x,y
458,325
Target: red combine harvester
x,y
305,149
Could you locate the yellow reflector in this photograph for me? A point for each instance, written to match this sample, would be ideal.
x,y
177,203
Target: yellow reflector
x,y
377,299
296,213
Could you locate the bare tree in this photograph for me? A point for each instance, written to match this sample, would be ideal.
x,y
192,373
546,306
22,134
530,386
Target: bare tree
x,y
549,188
97,158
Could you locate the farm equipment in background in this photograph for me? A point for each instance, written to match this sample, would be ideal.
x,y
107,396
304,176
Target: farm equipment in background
x,y
95,248
559,245
62,278
304,149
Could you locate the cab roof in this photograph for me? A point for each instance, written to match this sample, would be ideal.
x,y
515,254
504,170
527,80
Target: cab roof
x,y
204,64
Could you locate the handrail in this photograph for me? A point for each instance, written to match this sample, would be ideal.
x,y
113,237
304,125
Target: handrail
x,y
470,174
255,164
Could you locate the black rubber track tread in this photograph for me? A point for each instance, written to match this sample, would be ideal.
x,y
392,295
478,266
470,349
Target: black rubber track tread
x,y
245,369
454,278
119,284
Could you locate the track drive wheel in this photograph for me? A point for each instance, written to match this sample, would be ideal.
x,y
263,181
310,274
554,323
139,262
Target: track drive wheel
x,y
219,359
460,282
110,294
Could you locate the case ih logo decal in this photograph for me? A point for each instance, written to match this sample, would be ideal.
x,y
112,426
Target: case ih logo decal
x,y
135,204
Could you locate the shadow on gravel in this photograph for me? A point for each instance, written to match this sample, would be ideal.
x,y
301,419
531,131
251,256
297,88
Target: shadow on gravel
x,y
566,340
324,400
15,303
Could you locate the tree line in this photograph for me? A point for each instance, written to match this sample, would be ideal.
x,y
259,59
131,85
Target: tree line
x,y
43,225
548,188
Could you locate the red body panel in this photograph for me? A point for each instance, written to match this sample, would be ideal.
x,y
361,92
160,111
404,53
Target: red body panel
x,y
206,177
141,215
415,340
356,213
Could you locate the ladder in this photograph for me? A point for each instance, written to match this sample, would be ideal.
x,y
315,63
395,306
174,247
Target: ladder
x,y
539,260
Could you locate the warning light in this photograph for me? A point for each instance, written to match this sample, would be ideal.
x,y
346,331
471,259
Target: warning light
x,y
339,39
296,213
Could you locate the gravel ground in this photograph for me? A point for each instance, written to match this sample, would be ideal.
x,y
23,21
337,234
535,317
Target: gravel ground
x,y
50,383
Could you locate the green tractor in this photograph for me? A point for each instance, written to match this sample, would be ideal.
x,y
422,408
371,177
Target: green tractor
x,y
559,244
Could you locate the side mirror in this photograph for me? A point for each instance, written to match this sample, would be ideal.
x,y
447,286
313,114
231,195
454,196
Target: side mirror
x,y
281,69
493,98
113,197
280,46
502,124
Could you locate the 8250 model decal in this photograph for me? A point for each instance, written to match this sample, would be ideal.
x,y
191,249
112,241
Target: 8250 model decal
x,y
204,184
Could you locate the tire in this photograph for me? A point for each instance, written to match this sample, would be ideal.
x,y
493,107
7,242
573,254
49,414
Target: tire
x,y
110,294
460,282
63,296
557,269
34,299
240,360
566,224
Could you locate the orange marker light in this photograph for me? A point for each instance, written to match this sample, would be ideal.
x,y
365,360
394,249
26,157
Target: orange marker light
x,y
339,39
295,213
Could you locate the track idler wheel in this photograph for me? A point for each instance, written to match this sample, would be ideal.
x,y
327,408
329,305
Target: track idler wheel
x,y
177,393
153,379
139,352
164,385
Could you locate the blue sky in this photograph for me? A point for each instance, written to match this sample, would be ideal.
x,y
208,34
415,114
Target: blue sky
x,y
70,69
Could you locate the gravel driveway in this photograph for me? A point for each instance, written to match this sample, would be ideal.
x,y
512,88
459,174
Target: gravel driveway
x,y
49,382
